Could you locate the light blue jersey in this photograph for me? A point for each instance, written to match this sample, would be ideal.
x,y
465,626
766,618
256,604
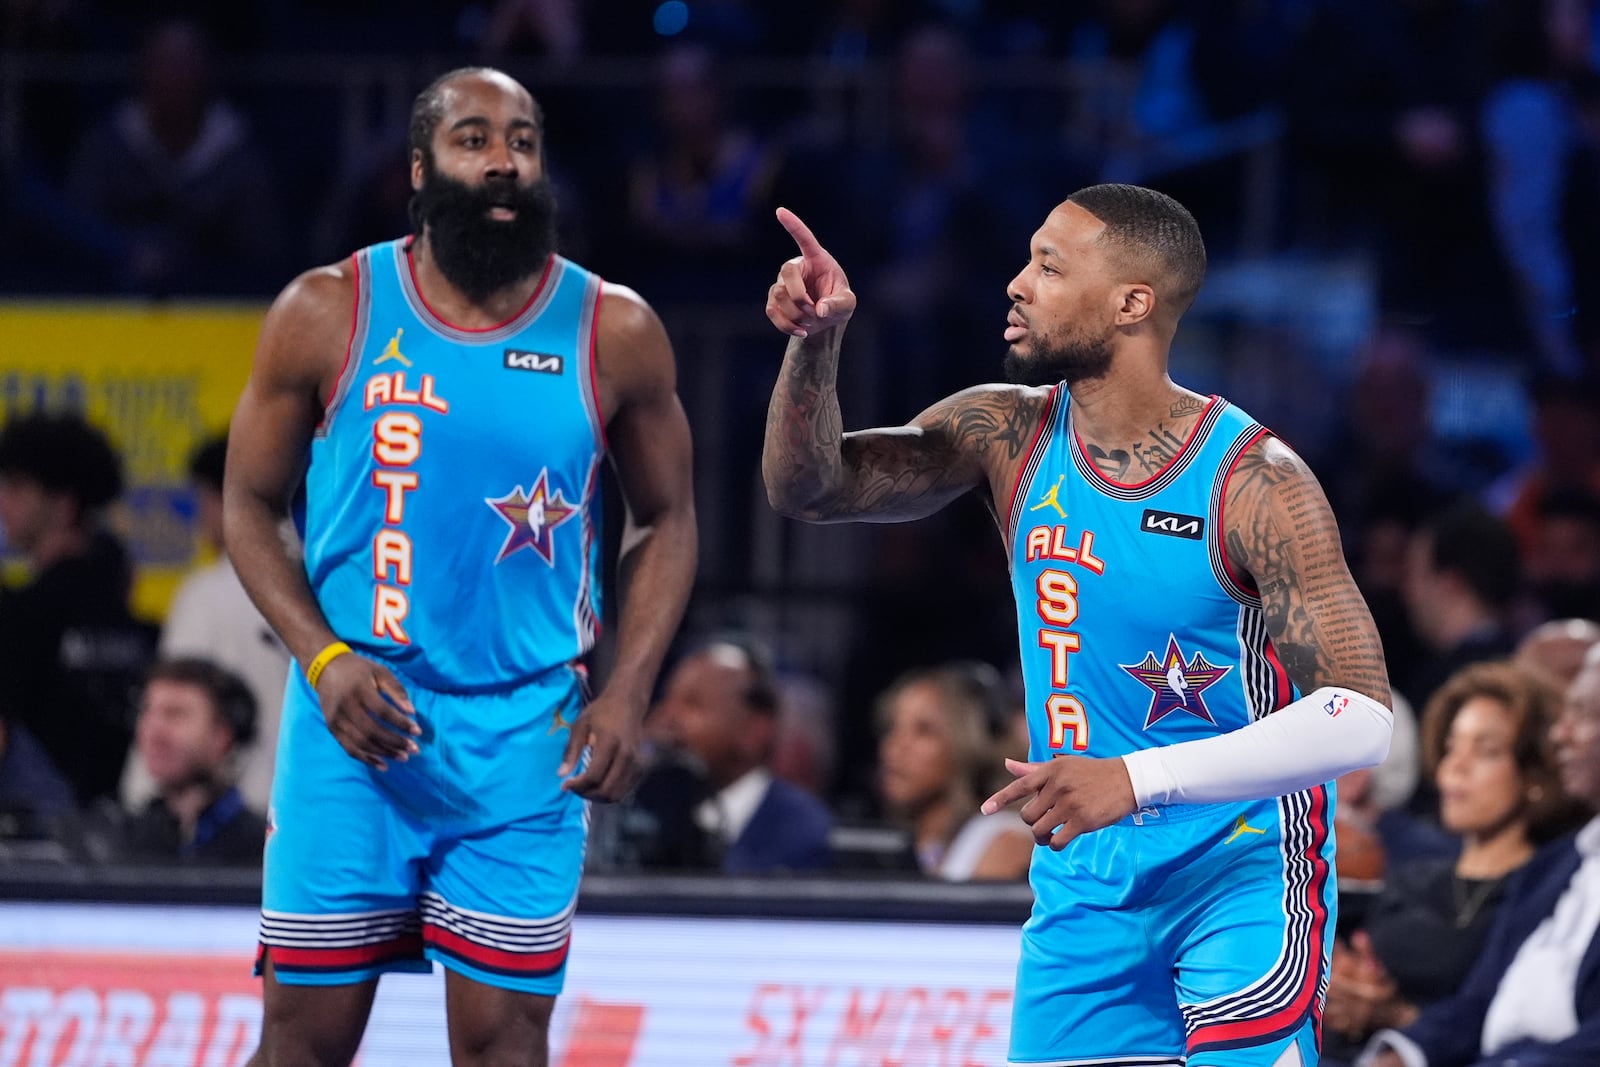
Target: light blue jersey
x,y
1139,633
450,533
1186,931
453,493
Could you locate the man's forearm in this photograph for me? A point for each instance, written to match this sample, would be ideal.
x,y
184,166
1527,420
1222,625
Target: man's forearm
x,y
655,575
1315,739
801,460
275,581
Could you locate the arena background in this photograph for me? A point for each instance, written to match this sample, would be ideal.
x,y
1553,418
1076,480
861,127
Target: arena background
x,y
1390,312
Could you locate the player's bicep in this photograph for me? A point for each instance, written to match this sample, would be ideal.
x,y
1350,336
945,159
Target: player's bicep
x,y
895,473
1281,531
648,434
279,410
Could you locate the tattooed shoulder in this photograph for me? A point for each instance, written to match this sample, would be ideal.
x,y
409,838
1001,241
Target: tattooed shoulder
x,y
993,423
1281,531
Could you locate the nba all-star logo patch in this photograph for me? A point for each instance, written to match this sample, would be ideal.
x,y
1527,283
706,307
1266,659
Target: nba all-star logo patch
x,y
1177,685
533,517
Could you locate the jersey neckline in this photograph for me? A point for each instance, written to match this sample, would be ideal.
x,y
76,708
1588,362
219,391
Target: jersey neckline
x,y
1161,478
426,312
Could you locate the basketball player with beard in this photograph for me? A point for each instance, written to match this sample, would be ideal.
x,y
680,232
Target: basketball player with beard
x,y
449,399
1199,664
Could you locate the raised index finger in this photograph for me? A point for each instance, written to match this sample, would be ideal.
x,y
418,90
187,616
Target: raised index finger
x,y
809,245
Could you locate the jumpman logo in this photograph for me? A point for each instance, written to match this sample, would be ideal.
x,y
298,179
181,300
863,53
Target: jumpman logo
x,y
1052,498
557,722
392,351
1240,828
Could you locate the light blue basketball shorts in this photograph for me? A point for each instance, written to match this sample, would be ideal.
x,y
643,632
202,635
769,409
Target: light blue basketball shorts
x,y
468,853
1198,935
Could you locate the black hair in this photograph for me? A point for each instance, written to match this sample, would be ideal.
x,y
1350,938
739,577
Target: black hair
x,y
428,108
64,454
1152,225
1478,547
207,464
235,705
1573,504
761,692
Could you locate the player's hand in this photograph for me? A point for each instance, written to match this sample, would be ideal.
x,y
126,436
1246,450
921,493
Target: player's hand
x,y
811,292
613,734
1067,796
368,710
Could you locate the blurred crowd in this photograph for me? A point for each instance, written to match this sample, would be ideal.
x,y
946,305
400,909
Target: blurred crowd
x,y
1448,148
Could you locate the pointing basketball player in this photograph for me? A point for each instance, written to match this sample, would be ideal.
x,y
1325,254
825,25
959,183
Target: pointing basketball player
x,y
1194,649
450,398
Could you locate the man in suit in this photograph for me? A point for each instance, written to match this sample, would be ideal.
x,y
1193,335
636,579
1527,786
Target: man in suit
x,y
1533,998
720,707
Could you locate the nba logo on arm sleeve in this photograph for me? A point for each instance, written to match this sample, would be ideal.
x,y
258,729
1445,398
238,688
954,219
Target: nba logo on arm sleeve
x,y
1336,703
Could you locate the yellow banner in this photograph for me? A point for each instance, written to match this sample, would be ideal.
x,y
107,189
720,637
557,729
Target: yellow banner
x,y
159,380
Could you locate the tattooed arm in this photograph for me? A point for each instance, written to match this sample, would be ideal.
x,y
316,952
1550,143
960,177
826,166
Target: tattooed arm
x,y
1281,531
815,471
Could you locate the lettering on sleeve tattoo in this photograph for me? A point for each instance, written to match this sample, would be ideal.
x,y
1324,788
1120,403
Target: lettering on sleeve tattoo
x,y
1282,532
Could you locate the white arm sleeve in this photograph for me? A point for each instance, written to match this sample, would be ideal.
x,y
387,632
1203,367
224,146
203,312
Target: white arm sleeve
x,y
1314,740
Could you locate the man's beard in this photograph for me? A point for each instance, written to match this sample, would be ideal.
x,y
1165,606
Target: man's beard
x,y
1071,360
480,255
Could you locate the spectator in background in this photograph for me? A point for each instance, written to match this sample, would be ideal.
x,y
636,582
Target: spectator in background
x,y
935,763
1533,996
1566,429
720,706
1461,575
71,653
1375,830
35,799
1485,745
1382,99
1531,130
699,202
1556,649
803,753
194,719
174,173
1564,566
212,618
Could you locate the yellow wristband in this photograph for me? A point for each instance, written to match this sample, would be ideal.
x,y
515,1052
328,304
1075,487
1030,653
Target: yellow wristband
x,y
325,657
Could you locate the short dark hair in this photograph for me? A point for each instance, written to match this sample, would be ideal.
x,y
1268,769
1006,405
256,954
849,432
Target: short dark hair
x,y
428,108
65,454
235,705
1478,547
1152,225
209,462
761,692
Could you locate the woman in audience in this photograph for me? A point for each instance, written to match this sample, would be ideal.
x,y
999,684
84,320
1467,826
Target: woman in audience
x,y
1484,744
936,754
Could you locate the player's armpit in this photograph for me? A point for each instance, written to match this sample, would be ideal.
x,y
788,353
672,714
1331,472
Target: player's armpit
x,y
1279,529
892,474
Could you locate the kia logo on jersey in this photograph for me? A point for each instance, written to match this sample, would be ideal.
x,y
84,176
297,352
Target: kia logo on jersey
x,y
543,362
1171,524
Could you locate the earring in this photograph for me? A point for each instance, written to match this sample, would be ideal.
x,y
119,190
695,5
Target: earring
x,y
1536,793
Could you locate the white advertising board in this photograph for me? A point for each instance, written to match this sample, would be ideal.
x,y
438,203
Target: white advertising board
x,y
165,986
